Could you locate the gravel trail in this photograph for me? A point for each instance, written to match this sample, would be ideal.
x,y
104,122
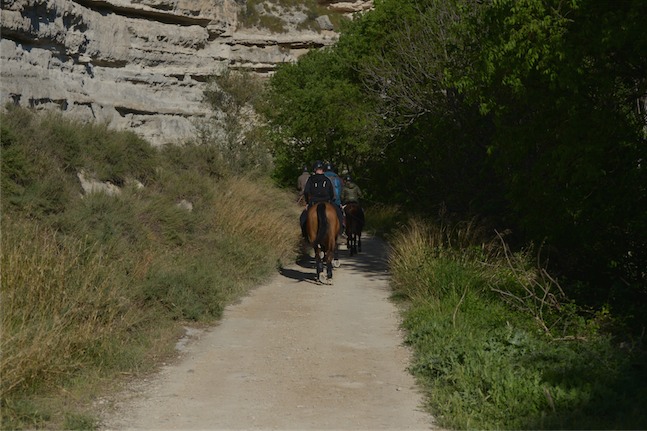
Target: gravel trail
x,y
293,354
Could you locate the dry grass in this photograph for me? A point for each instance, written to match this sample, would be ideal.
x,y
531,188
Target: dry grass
x,y
97,287
57,294
247,208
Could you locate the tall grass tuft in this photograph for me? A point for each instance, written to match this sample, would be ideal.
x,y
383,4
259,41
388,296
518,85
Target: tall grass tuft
x,y
61,298
253,209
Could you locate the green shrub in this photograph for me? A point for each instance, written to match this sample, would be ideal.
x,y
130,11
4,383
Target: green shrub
x,y
187,289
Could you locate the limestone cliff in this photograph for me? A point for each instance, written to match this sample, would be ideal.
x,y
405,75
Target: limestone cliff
x,y
143,64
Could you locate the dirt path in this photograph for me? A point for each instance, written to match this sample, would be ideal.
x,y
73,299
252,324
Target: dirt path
x,y
291,355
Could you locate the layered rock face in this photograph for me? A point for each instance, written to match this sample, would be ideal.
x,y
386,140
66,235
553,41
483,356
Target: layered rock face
x,y
142,65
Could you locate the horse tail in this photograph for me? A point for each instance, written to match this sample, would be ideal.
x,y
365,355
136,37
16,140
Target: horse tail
x,y
322,224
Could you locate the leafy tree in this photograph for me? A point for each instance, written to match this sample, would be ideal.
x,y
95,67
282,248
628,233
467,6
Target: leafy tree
x,y
562,81
437,157
235,134
316,111
318,108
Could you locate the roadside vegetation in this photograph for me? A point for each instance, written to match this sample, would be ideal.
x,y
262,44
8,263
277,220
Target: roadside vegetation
x,y
97,287
497,343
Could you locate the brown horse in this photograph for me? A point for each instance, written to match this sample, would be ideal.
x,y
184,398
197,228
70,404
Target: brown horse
x,y
354,227
322,229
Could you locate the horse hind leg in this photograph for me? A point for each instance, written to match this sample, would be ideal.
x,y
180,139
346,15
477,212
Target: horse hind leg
x,y
319,267
319,270
329,272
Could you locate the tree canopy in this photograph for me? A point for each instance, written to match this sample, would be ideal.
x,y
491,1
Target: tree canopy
x,y
530,113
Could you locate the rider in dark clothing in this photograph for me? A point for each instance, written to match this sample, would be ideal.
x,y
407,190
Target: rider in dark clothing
x,y
319,188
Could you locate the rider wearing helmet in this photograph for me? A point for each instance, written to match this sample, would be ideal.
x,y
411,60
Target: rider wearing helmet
x,y
318,188
351,192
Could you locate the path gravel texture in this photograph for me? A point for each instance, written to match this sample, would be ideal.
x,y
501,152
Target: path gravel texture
x,y
292,355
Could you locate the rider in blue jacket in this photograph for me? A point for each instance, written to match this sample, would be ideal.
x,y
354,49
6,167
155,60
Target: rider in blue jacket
x,y
338,186
337,182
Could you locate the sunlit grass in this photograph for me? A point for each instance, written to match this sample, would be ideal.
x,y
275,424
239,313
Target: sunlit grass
x,y
253,209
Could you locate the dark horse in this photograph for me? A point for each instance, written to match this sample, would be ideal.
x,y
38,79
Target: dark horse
x,y
322,229
354,226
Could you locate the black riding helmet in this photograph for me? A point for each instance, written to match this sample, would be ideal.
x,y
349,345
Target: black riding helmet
x,y
348,178
317,165
329,167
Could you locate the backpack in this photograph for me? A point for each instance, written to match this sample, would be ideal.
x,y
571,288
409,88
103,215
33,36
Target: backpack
x,y
318,188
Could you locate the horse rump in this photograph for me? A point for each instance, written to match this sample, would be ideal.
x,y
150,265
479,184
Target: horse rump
x,y
322,227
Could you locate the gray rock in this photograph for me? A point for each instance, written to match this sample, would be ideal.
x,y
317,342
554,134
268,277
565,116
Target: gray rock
x,y
324,22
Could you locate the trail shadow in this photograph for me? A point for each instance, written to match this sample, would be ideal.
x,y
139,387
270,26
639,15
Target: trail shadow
x,y
305,261
371,262
295,274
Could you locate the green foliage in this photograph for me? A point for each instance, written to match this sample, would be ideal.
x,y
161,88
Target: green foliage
x,y
80,422
41,156
562,89
318,108
186,291
316,111
488,363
